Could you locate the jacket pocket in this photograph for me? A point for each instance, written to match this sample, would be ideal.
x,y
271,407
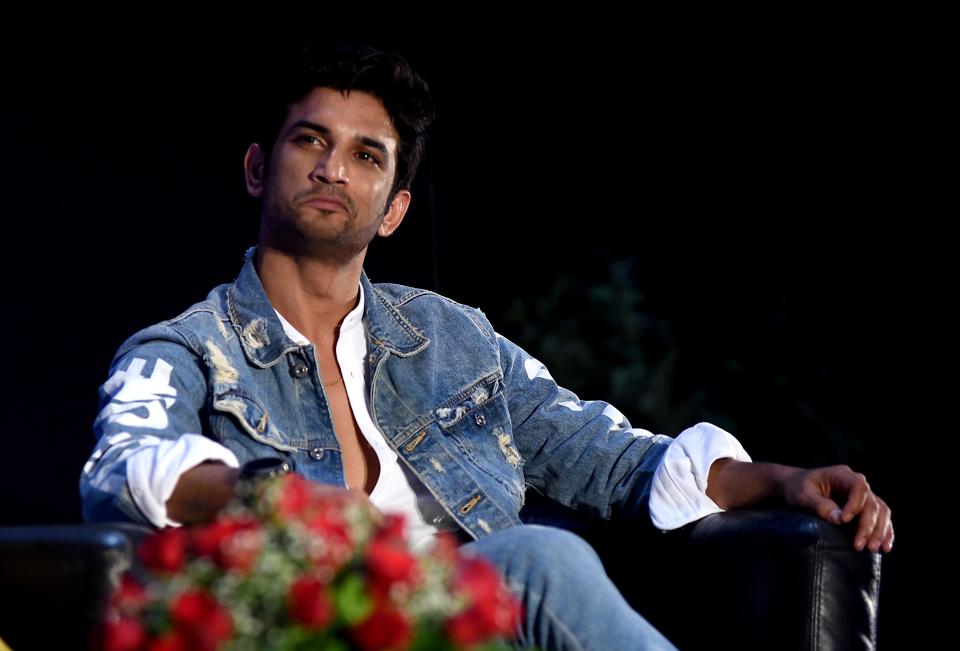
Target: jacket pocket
x,y
252,418
478,423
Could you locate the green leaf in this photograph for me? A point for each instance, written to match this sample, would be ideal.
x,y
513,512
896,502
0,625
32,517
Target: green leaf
x,y
351,600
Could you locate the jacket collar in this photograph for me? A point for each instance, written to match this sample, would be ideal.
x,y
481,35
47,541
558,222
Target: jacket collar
x,y
262,336
386,326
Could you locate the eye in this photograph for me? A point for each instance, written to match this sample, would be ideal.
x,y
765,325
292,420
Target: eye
x,y
367,156
307,139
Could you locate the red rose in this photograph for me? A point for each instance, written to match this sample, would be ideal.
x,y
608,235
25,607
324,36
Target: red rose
x,y
123,634
294,497
446,548
171,641
384,629
200,618
230,542
485,620
164,550
393,529
465,630
309,603
389,565
478,578
493,611
334,544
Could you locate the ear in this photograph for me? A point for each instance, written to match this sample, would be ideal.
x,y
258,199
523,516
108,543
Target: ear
x,y
398,208
253,169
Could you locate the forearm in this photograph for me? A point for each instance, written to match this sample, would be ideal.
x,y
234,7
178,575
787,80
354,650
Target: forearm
x,y
736,484
201,492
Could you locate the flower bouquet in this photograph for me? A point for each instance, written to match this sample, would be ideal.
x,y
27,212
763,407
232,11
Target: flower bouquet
x,y
300,566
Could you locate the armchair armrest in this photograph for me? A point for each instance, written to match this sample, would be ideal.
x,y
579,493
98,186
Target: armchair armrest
x,y
748,579
782,579
55,580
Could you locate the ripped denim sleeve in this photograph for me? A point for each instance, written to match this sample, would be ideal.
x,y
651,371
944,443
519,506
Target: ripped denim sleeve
x,y
154,394
581,453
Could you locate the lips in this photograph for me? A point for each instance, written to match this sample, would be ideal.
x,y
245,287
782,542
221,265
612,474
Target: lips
x,y
326,203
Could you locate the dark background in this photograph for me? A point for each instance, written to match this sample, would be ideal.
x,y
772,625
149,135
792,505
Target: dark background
x,y
695,220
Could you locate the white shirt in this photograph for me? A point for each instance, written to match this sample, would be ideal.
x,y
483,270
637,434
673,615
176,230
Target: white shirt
x,y
398,490
677,497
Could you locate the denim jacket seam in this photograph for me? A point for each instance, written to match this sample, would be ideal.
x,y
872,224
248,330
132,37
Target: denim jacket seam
x,y
457,398
470,312
403,299
190,335
400,320
483,323
203,306
176,332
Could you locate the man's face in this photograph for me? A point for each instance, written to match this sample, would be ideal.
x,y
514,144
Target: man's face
x,y
332,147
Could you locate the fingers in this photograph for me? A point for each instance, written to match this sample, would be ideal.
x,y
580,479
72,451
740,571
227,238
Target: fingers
x,y
827,509
816,488
859,492
868,522
876,527
887,544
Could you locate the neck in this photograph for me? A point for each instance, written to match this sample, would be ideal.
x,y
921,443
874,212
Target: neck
x,y
313,295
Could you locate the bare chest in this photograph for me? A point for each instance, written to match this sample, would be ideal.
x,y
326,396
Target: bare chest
x,y
360,463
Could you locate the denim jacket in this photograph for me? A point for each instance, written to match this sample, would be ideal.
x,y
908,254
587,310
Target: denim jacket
x,y
474,416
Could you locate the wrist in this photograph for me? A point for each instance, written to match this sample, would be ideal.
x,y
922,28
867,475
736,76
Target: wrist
x,y
719,483
734,484
201,492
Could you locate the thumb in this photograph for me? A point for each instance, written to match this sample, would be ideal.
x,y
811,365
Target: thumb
x,y
826,508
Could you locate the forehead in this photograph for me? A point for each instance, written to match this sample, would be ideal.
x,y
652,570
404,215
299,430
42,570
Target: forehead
x,y
354,115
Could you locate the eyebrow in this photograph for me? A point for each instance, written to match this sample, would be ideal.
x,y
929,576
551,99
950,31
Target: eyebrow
x,y
365,140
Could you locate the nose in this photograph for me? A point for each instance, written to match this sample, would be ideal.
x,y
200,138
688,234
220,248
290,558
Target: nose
x,y
330,167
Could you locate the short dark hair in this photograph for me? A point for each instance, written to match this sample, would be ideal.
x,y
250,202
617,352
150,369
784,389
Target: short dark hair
x,y
346,66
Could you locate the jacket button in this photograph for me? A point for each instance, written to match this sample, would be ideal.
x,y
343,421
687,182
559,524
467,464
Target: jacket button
x,y
480,419
316,453
300,370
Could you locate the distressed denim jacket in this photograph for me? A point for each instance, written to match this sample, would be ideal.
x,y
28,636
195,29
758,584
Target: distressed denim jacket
x,y
475,417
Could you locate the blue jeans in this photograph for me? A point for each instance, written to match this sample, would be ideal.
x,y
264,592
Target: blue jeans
x,y
569,601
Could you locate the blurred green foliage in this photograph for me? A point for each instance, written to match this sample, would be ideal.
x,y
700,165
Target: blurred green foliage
x,y
669,357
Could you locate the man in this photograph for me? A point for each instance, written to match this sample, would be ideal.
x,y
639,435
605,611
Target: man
x,y
398,392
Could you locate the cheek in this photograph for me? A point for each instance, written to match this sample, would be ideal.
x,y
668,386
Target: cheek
x,y
383,194
287,171
281,186
381,205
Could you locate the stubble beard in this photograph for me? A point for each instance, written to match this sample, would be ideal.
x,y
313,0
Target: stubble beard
x,y
305,231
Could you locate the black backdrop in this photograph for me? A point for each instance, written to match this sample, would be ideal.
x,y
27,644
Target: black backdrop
x,y
769,186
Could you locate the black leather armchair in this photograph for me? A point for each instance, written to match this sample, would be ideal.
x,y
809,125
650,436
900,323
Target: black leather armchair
x,y
55,581
751,579
775,580
747,580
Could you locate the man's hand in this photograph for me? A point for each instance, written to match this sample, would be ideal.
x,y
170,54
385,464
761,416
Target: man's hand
x,y
814,490
201,492
737,484
205,489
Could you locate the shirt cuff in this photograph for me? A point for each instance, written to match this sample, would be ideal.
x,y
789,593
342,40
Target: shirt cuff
x,y
678,495
153,472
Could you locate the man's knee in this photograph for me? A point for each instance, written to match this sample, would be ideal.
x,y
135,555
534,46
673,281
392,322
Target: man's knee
x,y
553,542
534,546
